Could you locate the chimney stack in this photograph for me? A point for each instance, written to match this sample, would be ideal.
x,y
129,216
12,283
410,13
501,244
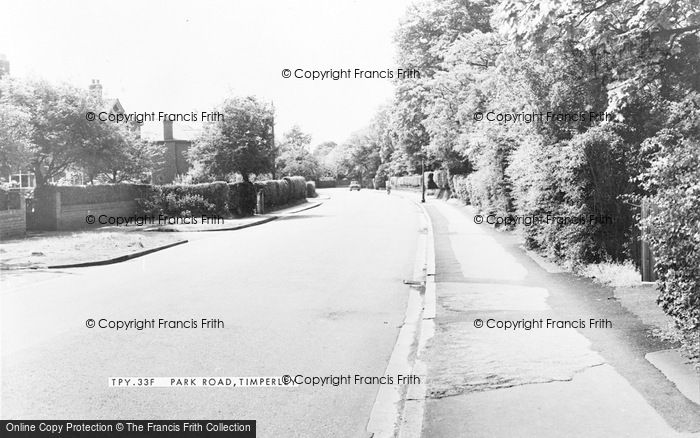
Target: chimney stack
x,y
96,89
167,130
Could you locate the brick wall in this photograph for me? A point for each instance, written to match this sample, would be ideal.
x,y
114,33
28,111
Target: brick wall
x,y
54,211
72,217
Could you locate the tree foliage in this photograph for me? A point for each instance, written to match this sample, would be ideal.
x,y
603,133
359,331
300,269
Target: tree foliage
x,y
54,131
635,64
640,37
117,154
673,227
239,143
43,127
15,131
295,158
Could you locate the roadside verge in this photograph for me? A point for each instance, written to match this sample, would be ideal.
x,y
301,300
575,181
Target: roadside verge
x,y
118,259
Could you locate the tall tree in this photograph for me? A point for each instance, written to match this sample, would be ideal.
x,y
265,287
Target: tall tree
x,y
423,38
640,36
15,131
57,132
295,158
360,156
239,143
327,156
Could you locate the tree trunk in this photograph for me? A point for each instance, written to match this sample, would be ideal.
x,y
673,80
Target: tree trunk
x,y
38,176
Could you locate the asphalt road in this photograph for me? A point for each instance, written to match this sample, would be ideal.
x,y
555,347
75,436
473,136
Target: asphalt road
x,y
314,294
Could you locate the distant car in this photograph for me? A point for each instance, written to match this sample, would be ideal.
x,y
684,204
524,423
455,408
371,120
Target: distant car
x,y
354,185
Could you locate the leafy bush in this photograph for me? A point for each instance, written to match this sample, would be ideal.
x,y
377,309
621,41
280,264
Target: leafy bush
x,y
188,205
579,178
673,227
171,204
485,190
461,189
183,200
215,193
441,179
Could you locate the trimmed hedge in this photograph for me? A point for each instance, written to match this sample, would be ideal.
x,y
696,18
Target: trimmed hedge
x,y
311,189
269,189
297,185
285,191
326,183
272,191
241,198
282,191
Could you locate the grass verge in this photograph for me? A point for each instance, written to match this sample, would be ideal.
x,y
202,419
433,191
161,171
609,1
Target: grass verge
x,y
60,248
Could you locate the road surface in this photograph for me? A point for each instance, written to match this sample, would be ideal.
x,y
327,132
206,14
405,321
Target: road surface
x,y
316,294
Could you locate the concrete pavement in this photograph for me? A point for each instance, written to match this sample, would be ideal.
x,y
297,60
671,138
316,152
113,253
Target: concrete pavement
x,y
536,381
318,293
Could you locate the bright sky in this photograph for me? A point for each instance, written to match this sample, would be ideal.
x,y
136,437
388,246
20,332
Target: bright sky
x,y
181,56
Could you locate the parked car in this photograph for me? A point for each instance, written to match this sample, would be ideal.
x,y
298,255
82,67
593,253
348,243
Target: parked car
x,y
354,185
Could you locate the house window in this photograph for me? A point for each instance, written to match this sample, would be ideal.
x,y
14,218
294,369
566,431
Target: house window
x,y
23,180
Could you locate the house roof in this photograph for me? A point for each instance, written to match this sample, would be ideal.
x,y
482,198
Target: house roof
x,y
112,106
